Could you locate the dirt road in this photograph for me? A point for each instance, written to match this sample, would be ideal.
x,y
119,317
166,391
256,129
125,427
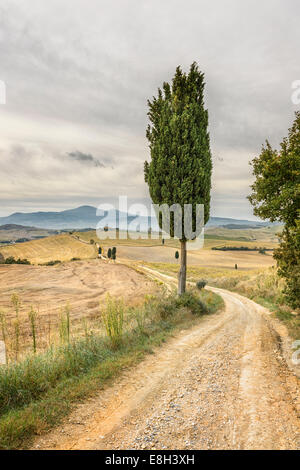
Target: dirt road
x,y
224,384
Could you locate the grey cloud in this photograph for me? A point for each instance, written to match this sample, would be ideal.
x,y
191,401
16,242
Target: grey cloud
x,y
86,158
89,67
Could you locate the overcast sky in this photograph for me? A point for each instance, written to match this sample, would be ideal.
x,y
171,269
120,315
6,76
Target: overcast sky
x,y
78,75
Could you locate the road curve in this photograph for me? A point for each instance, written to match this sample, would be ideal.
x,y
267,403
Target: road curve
x,y
223,384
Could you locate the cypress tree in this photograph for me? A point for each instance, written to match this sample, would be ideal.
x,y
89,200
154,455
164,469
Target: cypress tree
x,y
180,168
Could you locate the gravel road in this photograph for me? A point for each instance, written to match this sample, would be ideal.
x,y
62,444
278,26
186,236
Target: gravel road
x,y
224,384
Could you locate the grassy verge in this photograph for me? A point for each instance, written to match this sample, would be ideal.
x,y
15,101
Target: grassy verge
x,y
39,392
263,286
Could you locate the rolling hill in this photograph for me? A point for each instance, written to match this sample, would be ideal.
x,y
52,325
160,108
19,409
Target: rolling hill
x,y
85,216
13,233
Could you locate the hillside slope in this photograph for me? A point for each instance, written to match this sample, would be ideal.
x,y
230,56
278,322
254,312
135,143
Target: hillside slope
x,y
59,247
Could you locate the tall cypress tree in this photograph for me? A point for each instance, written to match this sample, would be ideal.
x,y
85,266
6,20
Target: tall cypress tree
x,y
180,168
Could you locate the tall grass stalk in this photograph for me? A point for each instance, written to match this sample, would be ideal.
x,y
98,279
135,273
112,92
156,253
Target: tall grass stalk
x,y
4,333
32,319
86,330
16,325
65,325
16,304
67,313
113,319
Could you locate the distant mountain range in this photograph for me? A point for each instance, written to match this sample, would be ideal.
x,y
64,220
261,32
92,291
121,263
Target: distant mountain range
x,y
85,216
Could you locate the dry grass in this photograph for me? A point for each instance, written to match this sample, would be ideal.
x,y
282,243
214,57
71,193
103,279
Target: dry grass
x,y
57,247
194,273
262,285
213,237
266,288
48,289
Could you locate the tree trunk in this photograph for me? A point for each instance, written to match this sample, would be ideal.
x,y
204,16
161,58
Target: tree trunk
x,y
182,271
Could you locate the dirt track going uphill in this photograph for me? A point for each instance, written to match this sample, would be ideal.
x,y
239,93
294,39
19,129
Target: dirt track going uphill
x,y
224,384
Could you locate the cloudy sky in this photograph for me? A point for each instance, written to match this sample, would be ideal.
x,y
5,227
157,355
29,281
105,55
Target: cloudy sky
x,y
78,74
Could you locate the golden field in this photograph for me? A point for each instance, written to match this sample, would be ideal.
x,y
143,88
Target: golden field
x,y
57,247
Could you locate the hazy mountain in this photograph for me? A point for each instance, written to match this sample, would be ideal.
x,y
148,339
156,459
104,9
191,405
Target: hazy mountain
x,y
85,216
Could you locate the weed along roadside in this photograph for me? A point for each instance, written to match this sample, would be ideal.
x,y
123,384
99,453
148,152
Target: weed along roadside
x,y
37,392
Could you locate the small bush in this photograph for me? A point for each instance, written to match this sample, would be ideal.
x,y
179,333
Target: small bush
x,y
201,284
190,301
52,262
166,308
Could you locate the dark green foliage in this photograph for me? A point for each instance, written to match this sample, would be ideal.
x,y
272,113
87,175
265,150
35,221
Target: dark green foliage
x,y
276,195
188,300
241,248
288,261
276,190
201,284
192,302
12,260
176,254
235,266
180,168
99,250
109,253
52,262
114,250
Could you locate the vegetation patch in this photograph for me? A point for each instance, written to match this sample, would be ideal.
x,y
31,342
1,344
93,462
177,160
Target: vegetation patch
x,y
242,248
12,260
267,289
